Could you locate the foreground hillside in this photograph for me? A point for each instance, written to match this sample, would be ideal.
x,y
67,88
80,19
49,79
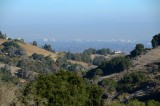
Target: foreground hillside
x,y
141,81
149,65
32,76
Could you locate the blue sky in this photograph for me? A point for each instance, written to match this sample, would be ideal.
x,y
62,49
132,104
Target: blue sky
x,y
80,19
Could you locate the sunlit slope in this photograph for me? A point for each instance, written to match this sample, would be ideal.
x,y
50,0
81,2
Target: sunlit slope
x,y
140,63
30,49
2,41
150,57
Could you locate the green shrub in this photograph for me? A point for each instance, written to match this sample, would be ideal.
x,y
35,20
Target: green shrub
x,y
109,83
104,51
34,43
12,49
48,47
7,60
98,60
156,41
153,103
116,65
139,49
90,51
2,36
94,72
132,81
6,75
62,89
135,103
38,56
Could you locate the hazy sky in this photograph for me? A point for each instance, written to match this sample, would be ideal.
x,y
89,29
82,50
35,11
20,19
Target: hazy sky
x,y
80,19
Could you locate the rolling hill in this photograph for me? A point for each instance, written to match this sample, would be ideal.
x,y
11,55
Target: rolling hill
x,y
30,49
150,57
140,63
149,64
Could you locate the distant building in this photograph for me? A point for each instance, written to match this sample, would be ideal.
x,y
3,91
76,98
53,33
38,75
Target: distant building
x,y
118,52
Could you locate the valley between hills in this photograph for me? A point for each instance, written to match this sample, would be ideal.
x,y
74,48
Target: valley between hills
x,y
38,76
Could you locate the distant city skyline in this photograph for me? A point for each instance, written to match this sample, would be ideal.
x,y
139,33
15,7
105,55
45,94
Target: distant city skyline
x,y
80,19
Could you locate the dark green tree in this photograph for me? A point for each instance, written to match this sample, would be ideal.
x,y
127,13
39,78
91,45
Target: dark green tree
x,y
115,65
90,51
38,56
99,60
6,74
2,36
109,83
48,47
69,55
12,49
95,72
132,81
86,58
34,43
156,41
62,89
139,49
104,51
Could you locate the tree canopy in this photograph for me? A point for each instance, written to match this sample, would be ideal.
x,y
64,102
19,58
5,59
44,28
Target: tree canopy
x,y
115,65
156,40
12,49
132,81
63,89
139,49
34,43
2,36
48,47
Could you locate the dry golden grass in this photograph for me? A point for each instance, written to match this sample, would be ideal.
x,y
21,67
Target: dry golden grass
x,y
30,49
7,94
2,41
108,57
77,62
139,64
150,57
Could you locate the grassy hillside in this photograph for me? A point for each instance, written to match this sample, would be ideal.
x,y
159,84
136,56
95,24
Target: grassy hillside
x,y
13,68
141,80
140,63
2,41
149,65
30,49
150,57
85,65
7,94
